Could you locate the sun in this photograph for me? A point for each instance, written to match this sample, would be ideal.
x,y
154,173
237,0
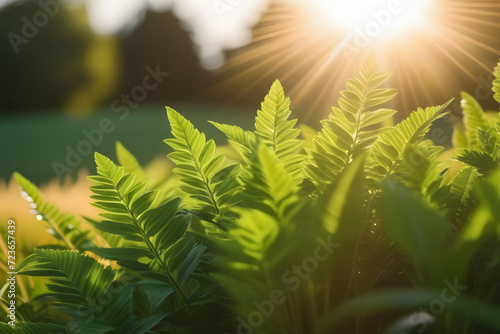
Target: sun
x,y
376,19
314,46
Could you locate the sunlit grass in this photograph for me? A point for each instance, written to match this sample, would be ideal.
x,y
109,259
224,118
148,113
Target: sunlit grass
x,y
69,197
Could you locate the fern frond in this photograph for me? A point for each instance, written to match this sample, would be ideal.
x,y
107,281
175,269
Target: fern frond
x,y
134,214
474,119
488,142
460,198
260,250
388,150
272,128
419,168
158,229
65,226
161,179
197,167
77,282
250,266
243,141
277,132
269,186
353,127
496,83
484,162
129,162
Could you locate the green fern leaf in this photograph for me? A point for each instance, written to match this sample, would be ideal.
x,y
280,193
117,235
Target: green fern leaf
x,y
488,142
133,213
496,83
129,162
87,292
65,226
484,162
245,142
157,228
77,282
459,202
250,265
269,186
276,131
197,166
351,128
390,147
474,119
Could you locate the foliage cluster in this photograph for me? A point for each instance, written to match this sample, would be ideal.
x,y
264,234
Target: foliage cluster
x,y
362,227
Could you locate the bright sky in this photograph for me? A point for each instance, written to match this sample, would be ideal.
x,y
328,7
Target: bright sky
x,y
217,25
5,2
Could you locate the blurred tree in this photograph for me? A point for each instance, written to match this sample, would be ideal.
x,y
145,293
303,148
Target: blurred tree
x,y
161,41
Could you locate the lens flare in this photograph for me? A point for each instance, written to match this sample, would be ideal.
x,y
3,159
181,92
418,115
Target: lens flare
x,y
434,47
375,18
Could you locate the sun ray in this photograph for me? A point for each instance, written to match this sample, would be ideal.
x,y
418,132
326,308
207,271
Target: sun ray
x,y
455,61
461,35
459,41
474,20
465,52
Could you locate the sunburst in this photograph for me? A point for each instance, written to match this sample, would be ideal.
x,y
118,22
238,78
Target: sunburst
x,y
451,45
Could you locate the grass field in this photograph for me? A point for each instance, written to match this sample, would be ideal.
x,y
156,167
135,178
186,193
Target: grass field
x,y
30,144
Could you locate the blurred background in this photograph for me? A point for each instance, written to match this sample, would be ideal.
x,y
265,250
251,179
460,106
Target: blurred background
x,y
78,75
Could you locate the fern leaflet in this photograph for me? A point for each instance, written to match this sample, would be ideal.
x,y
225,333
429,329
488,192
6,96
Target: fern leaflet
x,y
351,128
198,169
388,150
474,119
269,186
460,198
496,83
